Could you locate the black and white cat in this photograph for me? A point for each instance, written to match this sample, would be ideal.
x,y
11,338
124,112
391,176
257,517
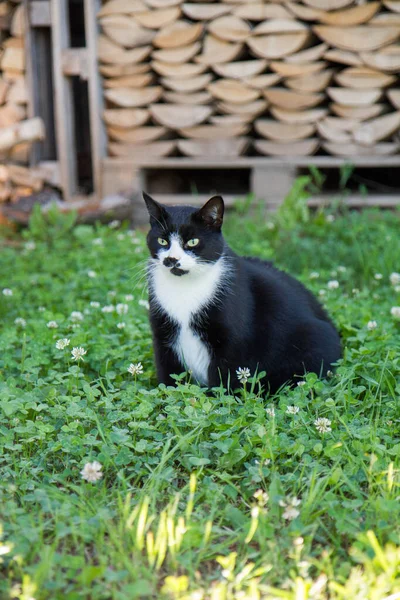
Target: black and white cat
x,y
212,311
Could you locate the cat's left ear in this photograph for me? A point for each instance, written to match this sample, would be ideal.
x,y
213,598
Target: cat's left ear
x,y
156,211
212,213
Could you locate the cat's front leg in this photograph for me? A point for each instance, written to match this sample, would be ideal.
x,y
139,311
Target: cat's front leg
x,y
167,363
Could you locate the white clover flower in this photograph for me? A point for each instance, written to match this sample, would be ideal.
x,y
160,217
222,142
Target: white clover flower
x,y
5,549
129,297
121,325
378,276
92,471
120,237
395,312
122,309
394,278
243,374
136,369
112,293
322,293
63,343
261,497
329,374
95,304
301,383
330,218
91,274
323,425
114,224
97,242
333,285
108,309
270,410
20,322
372,325
144,303
292,410
41,308
267,462
78,353
333,273
314,275
291,511
7,292
270,225
52,324
76,316
355,291
342,269
30,246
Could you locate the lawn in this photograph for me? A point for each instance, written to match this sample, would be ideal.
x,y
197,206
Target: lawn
x,y
192,495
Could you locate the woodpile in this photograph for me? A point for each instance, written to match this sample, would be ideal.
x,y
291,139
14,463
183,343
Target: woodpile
x,y
229,77
17,132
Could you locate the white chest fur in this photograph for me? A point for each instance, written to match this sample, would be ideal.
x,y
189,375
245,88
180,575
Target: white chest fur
x,y
182,298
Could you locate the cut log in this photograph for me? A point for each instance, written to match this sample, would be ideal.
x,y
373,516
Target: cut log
x,y
205,12
261,82
226,147
25,177
129,81
393,5
19,154
176,116
125,31
24,131
191,84
123,70
309,55
179,34
4,87
240,69
292,100
299,148
13,58
125,117
386,19
382,61
109,52
361,113
332,134
155,19
192,99
352,97
18,92
13,42
359,150
11,114
295,70
356,15
178,71
121,7
279,45
162,3
305,13
227,120
342,124
232,90
213,132
315,82
343,57
130,98
257,11
364,77
278,26
218,51
137,135
252,108
283,132
138,151
357,39
177,55
230,29
328,4
296,117
394,97
18,21
378,129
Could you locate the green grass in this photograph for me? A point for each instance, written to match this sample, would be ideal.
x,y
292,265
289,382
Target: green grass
x,y
177,512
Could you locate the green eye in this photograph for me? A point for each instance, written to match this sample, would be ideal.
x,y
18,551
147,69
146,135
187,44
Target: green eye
x,y
162,242
192,243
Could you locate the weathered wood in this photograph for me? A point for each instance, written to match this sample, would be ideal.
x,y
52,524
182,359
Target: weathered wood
x,y
176,116
240,69
377,129
278,45
314,82
364,77
132,98
283,132
74,61
298,148
177,35
232,90
292,100
218,51
354,97
24,131
216,147
214,132
39,13
136,135
357,39
126,117
362,113
298,116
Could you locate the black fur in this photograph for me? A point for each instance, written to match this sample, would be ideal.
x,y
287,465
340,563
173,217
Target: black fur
x,y
262,319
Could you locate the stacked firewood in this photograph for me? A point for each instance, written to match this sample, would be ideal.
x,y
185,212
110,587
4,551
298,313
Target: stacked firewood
x,y
228,77
16,131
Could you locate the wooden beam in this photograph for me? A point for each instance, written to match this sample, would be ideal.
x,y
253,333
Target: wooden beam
x,y
75,62
39,13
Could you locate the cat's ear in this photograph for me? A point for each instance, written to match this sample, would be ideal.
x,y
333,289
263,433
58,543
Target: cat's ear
x,y
156,211
212,213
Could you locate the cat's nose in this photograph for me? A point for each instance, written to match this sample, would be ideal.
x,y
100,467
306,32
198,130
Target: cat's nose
x,y
171,262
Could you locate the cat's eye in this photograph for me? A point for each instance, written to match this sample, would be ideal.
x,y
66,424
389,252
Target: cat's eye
x,y
162,242
192,243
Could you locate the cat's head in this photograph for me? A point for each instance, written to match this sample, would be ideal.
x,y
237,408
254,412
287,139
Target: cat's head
x,y
183,238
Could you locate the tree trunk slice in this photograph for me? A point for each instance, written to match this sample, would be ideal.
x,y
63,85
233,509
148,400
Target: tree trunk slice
x,y
176,116
121,7
343,57
252,108
137,135
123,70
292,100
356,15
296,117
217,51
240,69
326,5
226,147
125,117
229,29
178,71
377,129
232,90
299,148
394,97
191,84
160,17
109,52
137,151
279,45
179,34
177,55
131,98
261,82
307,56
129,81
227,120
342,124
333,134
305,13
357,39
283,132
315,82
352,97
393,5
361,113
279,26
13,58
205,12
359,150
124,30
363,77
295,70
191,99
382,61
259,12
213,132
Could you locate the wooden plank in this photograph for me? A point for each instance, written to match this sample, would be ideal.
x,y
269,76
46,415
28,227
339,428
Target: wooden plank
x,y
75,62
39,13
64,107
95,88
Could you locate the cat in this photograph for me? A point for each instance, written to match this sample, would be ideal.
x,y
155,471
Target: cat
x,y
213,312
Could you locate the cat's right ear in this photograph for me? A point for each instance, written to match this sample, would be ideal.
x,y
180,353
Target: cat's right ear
x,y
156,211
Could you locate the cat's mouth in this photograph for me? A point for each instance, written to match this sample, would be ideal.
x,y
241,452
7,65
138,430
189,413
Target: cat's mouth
x,y
178,272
